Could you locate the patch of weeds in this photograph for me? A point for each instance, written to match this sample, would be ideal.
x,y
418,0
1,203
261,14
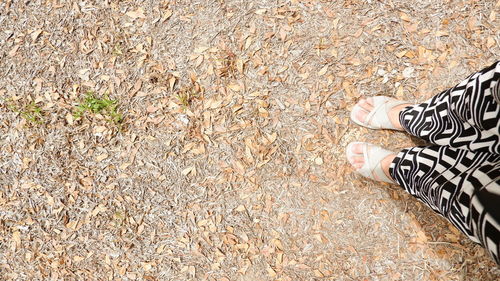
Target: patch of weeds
x,y
31,112
99,105
119,45
186,94
117,50
118,218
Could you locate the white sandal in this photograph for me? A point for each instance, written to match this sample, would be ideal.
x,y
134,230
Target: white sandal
x,y
372,155
378,118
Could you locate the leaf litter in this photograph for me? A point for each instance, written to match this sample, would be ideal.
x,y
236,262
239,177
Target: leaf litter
x,y
228,163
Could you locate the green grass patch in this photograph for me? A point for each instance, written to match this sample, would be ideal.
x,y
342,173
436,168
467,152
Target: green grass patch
x,y
99,105
31,112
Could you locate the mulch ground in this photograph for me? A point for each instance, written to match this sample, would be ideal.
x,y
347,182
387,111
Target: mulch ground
x,y
204,140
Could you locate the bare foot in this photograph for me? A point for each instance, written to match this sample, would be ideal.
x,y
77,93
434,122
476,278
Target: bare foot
x,y
359,161
367,106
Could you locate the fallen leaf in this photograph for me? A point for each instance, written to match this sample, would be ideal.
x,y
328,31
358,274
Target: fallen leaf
x,y
139,13
405,17
323,70
201,49
69,119
401,54
167,15
490,42
234,87
35,34
260,11
13,51
16,239
189,170
78,258
440,33
101,157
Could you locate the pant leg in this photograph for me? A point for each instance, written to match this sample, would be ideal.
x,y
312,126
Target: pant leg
x,y
463,186
466,116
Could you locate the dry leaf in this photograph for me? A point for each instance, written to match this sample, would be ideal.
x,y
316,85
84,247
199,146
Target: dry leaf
x,y
400,92
240,65
167,15
69,119
100,208
271,137
323,70
354,61
421,237
189,170
260,11
334,52
248,42
201,49
139,13
492,16
13,51
234,87
199,61
16,240
358,33
401,54
490,42
442,33
34,35
99,129
282,69
78,258
171,82
101,157
152,109
270,271
72,224
84,74
405,17
283,34
147,266
472,22
160,249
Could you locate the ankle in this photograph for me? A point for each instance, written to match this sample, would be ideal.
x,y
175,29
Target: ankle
x,y
395,115
386,163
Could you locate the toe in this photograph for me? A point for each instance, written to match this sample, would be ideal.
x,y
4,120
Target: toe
x,y
361,115
365,107
358,166
357,148
366,104
358,160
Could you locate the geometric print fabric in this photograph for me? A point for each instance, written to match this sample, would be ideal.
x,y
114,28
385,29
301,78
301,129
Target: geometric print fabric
x,y
458,176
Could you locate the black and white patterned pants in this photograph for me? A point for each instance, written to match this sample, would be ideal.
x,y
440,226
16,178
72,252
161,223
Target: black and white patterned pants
x,y
458,176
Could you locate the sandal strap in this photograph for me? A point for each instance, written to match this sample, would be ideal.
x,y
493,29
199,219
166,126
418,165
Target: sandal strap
x,y
378,118
372,155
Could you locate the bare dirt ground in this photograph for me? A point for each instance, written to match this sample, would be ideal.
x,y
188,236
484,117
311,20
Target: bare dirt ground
x,y
226,158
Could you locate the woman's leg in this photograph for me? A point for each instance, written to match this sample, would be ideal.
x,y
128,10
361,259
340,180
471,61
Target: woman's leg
x,y
461,185
466,116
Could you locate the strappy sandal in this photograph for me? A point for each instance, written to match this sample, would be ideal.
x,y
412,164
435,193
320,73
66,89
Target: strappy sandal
x,y
373,155
378,118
